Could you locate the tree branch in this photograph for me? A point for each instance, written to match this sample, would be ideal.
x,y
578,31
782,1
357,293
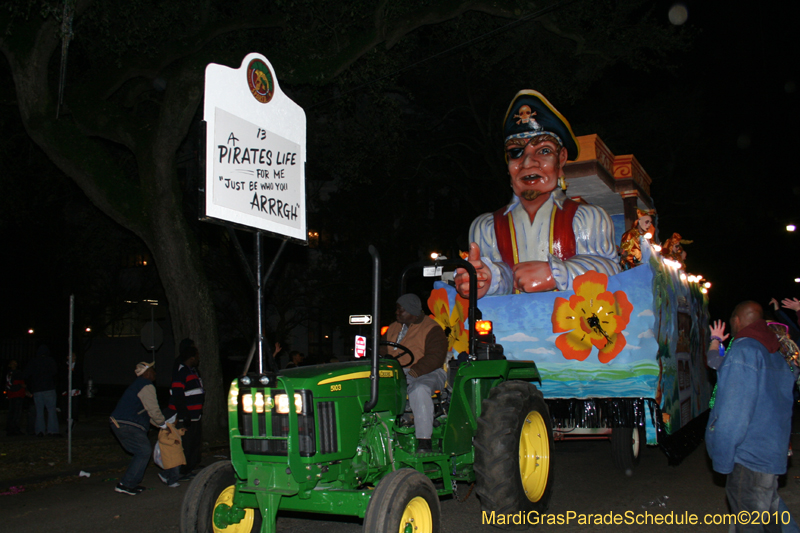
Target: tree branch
x,y
108,81
29,50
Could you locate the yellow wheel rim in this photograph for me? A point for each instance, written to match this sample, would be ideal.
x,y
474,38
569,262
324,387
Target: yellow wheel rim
x,y
245,526
534,456
416,517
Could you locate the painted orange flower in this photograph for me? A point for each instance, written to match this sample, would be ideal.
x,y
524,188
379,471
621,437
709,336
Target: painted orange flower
x,y
593,316
439,304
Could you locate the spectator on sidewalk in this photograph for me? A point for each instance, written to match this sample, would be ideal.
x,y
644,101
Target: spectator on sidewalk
x,y
748,430
186,399
135,411
15,392
296,359
40,378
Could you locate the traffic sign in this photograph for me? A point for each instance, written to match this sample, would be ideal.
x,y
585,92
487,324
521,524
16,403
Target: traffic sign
x,y
361,347
152,335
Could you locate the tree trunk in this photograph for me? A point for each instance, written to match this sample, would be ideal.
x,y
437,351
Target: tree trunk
x,y
191,306
149,206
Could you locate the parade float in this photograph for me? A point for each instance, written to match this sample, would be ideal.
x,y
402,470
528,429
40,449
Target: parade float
x,y
621,357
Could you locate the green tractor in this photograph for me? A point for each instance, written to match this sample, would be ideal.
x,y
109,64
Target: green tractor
x,y
325,439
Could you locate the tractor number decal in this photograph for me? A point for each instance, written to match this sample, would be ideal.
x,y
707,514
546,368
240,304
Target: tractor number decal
x,y
336,387
355,375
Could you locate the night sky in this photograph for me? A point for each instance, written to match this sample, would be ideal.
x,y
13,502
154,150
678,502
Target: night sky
x,y
718,134
718,137
735,191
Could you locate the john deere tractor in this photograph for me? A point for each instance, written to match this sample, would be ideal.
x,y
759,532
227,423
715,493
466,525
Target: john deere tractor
x,y
327,439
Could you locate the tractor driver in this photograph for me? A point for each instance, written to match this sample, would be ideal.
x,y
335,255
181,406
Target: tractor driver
x,y
426,340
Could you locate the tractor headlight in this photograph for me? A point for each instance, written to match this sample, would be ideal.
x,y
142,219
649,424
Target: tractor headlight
x,y
258,401
233,397
282,403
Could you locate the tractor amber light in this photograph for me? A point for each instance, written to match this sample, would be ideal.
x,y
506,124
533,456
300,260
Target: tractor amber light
x,y
282,403
384,329
483,327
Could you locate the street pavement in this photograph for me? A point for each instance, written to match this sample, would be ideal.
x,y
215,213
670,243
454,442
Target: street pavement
x,y
586,482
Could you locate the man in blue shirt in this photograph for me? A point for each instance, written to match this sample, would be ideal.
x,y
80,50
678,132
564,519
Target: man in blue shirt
x,y
748,430
132,417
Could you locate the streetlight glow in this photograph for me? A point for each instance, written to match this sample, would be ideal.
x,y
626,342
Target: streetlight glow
x,y
791,227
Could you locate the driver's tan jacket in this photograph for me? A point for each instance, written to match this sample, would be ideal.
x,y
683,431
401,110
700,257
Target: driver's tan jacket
x,y
426,341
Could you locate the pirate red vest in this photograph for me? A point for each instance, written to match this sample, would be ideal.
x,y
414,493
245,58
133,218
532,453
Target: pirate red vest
x,y
562,237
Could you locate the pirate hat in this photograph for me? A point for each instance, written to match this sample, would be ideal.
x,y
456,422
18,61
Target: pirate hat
x,y
531,115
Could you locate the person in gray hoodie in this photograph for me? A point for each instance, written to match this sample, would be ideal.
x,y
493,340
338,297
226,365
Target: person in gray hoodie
x,y
135,411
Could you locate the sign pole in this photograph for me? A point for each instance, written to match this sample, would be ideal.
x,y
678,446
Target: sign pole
x,y
153,330
259,310
70,364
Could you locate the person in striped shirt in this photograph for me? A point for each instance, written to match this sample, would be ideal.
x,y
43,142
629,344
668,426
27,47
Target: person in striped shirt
x,y
186,399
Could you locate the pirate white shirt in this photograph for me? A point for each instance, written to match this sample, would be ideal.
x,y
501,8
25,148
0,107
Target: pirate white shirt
x,y
595,243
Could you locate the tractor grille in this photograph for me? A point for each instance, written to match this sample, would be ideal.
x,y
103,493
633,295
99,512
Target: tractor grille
x,y
328,443
273,424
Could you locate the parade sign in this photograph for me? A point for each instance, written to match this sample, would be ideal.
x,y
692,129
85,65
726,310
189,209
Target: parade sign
x,y
255,150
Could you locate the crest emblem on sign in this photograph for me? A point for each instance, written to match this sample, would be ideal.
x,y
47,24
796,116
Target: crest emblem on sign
x,y
259,80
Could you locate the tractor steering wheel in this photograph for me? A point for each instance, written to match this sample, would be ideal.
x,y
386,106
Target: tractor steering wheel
x,y
403,351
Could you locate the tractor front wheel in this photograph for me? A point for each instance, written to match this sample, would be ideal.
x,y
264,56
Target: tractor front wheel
x,y
214,487
513,443
404,501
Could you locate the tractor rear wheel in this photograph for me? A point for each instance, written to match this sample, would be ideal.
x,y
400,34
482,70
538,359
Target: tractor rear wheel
x,y
513,444
626,447
405,500
213,487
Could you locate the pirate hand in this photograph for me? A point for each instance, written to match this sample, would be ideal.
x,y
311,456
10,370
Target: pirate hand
x,y
484,275
533,276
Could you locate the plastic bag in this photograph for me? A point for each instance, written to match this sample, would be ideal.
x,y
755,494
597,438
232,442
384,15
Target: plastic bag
x,y
157,455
